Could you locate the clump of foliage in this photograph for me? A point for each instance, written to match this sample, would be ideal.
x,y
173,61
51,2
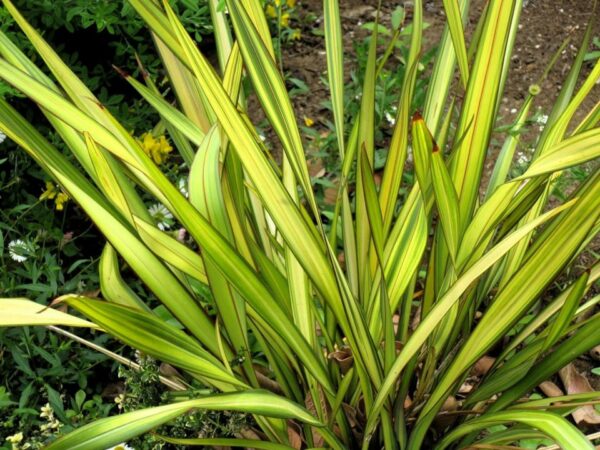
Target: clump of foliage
x,y
47,386
47,246
356,333
43,254
143,388
112,29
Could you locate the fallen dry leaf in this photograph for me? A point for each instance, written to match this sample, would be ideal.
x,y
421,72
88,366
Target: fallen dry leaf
x,y
330,196
465,388
416,320
550,389
294,435
311,407
343,357
595,353
269,384
351,414
449,406
483,366
316,168
575,383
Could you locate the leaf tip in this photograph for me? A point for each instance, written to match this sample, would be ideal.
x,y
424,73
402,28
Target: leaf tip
x,y
121,71
141,67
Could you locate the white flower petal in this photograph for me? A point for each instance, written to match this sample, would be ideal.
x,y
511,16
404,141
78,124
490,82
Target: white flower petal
x,y
18,250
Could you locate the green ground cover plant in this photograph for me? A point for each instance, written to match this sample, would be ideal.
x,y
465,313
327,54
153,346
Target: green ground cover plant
x,y
48,246
358,332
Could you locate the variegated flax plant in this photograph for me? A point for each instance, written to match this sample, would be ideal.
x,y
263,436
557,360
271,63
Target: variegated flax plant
x,y
369,350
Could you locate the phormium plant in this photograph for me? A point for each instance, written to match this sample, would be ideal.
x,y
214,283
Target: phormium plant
x,y
368,350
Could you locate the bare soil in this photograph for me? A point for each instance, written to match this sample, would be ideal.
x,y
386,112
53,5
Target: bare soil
x,y
544,25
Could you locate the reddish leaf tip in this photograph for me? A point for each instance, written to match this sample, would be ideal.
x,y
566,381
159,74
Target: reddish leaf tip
x,y
121,71
143,71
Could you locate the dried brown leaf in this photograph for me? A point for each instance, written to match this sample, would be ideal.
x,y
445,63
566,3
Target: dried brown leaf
x,y
294,435
343,357
550,389
483,366
575,383
595,353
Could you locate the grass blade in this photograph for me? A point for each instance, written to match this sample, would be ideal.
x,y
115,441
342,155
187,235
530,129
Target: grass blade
x,y
455,25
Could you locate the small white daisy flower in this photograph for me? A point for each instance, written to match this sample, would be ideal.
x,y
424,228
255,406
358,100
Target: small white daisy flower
x,y
122,446
182,185
390,118
18,250
162,215
522,158
409,154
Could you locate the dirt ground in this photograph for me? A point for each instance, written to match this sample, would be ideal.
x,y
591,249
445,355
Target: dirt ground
x,y
544,25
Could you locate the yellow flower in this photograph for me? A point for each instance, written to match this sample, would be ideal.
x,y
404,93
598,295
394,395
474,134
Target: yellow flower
x,y
50,191
296,35
290,3
53,193
277,2
308,121
271,11
157,149
285,20
60,201
147,142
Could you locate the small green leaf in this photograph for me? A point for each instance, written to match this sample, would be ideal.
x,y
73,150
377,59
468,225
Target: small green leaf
x,y
398,17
